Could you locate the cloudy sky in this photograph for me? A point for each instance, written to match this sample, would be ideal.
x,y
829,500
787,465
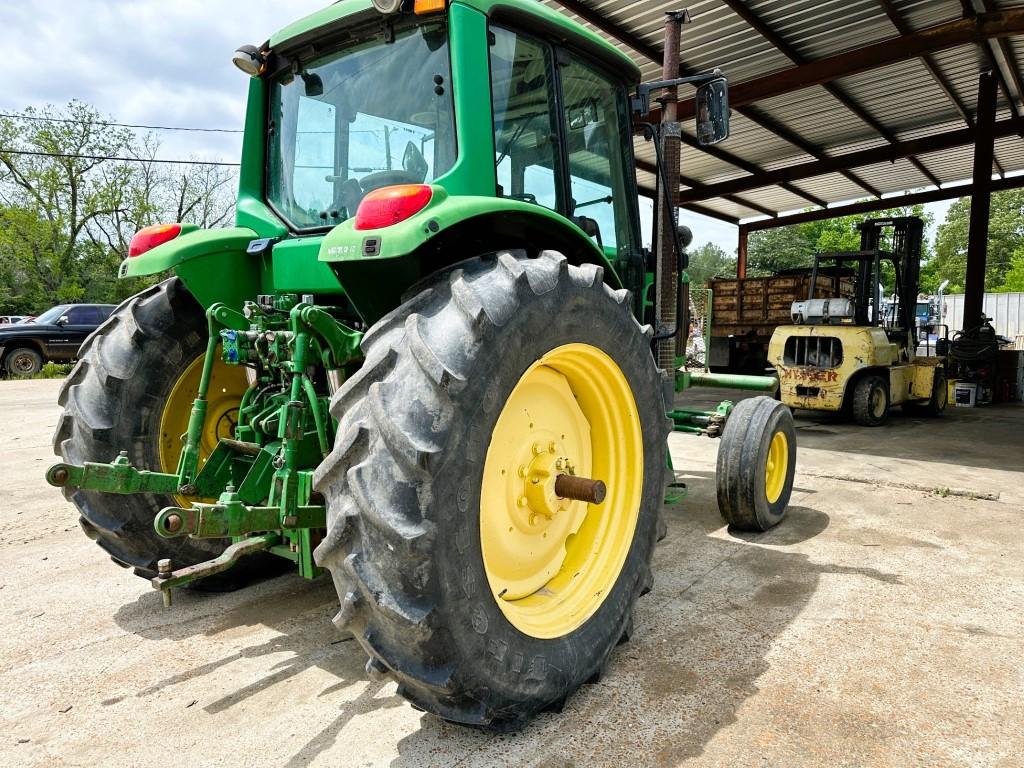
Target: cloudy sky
x,y
156,62
141,61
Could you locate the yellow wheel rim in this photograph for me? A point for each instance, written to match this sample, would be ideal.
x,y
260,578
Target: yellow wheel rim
x,y
551,562
227,385
776,467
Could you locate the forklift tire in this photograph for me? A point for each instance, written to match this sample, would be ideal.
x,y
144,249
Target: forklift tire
x,y
870,403
756,464
427,528
936,404
113,401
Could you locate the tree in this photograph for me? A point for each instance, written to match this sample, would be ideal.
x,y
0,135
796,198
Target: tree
x,y
69,205
773,250
1005,237
1013,280
708,262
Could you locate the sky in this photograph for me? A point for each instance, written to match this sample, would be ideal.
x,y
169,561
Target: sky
x,y
141,61
169,63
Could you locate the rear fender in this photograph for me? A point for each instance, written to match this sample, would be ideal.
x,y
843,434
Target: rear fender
x,y
377,266
212,263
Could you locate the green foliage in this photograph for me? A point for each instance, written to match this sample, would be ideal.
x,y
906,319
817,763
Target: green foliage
x,y
67,213
773,250
1005,240
1013,280
53,371
708,262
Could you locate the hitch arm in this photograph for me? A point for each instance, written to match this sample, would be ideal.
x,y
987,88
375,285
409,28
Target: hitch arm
x,y
117,477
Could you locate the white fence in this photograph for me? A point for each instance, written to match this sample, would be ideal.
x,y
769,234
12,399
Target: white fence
x,y
1005,309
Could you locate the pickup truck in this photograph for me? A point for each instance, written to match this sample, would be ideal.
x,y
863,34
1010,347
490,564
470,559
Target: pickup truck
x,y
54,336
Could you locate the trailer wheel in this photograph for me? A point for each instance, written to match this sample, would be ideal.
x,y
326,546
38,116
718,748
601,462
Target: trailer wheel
x,y
461,571
756,464
132,391
870,403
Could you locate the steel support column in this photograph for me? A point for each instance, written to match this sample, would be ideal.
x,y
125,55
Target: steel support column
x,y
741,253
981,198
667,299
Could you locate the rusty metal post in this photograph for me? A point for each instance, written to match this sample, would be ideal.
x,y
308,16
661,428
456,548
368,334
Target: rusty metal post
x,y
667,289
741,253
981,199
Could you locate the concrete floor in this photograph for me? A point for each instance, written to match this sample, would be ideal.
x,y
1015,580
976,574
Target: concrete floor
x,y
882,624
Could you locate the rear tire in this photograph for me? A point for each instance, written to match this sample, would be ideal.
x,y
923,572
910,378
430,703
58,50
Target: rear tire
x,y
756,464
405,541
23,362
113,400
871,401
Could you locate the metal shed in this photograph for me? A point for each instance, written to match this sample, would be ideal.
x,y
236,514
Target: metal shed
x,y
838,100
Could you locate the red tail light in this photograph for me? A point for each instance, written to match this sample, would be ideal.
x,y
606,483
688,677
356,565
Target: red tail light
x,y
148,238
390,205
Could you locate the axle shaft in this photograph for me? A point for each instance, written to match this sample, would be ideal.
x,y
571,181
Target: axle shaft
x,y
580,489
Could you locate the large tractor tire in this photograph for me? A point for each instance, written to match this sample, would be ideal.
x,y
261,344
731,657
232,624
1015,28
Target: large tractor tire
x,y
756,464
132,390
870,401
464,576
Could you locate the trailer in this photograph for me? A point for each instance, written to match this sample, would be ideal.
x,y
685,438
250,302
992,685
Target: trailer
x,y
746,311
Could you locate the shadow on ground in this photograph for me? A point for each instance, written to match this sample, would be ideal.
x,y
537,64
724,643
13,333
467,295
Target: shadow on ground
x,y
987,437
703,637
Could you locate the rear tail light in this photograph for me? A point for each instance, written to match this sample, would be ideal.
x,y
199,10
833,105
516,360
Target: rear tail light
x,y
390,205
148,238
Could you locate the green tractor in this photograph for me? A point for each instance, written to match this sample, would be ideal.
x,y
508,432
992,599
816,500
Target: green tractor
x,y
419,360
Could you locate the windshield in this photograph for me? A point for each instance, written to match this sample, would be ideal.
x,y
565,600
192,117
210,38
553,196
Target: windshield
x,y
50,316
372,115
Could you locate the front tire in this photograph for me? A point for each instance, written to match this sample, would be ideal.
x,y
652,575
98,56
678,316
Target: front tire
x,y
413,540
871,401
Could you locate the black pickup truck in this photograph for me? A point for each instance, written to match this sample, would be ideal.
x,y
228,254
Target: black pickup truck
x,y
54,336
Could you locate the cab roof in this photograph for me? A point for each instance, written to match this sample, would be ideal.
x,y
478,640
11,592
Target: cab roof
x,y
555,26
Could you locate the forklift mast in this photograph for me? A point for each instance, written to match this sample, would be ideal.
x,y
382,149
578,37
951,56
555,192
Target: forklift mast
x,y
907,236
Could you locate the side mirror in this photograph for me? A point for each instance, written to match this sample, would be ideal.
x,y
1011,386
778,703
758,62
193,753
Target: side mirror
x,y
63,320
712,103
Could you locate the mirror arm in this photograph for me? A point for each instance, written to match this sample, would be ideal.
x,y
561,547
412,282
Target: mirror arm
x,y
642,100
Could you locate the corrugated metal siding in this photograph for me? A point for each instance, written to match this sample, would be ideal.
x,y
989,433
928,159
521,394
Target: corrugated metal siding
x,y
1005,309
904,97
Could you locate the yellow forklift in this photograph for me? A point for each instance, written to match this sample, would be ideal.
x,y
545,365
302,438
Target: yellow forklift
x,y
859,355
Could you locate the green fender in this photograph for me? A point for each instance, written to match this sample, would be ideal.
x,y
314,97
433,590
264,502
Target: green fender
x,y
376,266
212,263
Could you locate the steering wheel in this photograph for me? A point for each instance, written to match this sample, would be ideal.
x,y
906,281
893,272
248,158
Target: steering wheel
x,y
379,179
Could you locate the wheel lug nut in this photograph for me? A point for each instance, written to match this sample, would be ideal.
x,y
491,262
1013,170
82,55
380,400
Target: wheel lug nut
x,y
551,447
537,449
523,501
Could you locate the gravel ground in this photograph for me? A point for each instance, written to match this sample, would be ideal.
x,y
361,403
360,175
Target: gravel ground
x,y
879,625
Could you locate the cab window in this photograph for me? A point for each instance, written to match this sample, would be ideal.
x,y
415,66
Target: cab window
x,y
525,135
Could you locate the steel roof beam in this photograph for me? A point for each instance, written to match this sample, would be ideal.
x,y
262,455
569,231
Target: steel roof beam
x,y
654,54
886,153
694,184
934,70
762,28
897,201
873,56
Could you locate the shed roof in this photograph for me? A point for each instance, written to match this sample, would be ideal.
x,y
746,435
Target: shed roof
x,y
813,81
